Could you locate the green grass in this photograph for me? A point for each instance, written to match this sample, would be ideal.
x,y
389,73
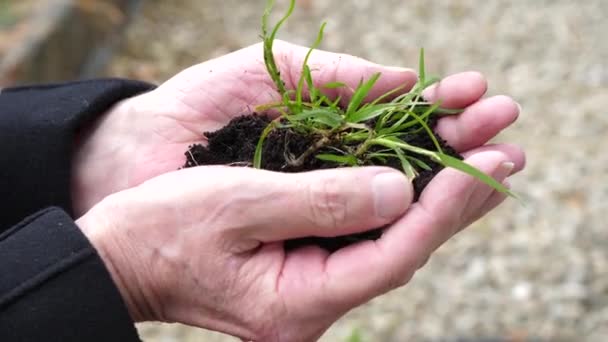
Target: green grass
x,y
362,132
7,17
355,336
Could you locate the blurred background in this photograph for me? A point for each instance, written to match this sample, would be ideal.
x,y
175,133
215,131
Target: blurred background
x,y
537,272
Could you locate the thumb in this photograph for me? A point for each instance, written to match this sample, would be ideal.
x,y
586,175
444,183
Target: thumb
x,y
273,206
334,67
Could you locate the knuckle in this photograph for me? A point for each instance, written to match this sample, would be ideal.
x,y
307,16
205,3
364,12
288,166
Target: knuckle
x,y
401,274
328,205
424,262
399,279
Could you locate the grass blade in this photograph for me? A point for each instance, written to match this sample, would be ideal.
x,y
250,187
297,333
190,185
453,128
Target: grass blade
x,y
360,94
268,40
324,116
389,93
447,161
347,159
421,68
312,90
429,82
426,127
393,142
306,70
420,163
257,156
472,171
408,169
382,156
334,85
401,124
372,111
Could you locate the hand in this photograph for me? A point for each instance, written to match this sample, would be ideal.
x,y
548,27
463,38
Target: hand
x,y
148,135
203,246
208,253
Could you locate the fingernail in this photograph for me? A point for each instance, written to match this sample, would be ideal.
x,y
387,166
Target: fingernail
x,y
519,109
391,194
399,69
507,167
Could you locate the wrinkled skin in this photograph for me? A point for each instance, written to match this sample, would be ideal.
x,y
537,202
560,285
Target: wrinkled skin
x,y
202,246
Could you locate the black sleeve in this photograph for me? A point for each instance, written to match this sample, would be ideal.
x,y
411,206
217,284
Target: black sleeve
x,y
53,284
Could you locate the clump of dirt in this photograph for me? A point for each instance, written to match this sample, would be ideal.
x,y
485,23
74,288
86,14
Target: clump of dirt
x,y
235,145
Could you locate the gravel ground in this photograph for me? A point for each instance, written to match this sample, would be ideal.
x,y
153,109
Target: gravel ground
x,y
534,271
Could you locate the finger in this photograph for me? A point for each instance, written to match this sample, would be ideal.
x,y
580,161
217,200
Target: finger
x,y
480,195
513,152
333,67
445,202
269,206
370,268
458,90
495,199
479,122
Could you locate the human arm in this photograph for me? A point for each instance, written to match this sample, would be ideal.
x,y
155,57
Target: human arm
x,y
53,285
153,130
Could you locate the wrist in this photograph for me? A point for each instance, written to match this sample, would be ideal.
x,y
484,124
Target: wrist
x,y
99,147
102,235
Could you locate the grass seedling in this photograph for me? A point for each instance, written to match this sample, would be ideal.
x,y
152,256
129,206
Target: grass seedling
x,y
358,133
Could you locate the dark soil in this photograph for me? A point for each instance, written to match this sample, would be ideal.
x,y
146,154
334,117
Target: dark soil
x,y
235,145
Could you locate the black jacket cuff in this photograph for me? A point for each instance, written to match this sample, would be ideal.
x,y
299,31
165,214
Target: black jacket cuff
x,y
38,125
55,287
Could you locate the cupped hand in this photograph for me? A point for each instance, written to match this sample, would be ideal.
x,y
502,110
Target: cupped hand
x,y
147,135
203,246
